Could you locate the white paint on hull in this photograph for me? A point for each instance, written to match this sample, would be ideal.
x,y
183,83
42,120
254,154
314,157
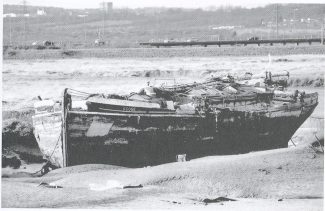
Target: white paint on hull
x,y
47,130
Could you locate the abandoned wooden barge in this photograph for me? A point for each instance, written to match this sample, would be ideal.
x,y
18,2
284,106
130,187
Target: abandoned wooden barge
x,y
143,130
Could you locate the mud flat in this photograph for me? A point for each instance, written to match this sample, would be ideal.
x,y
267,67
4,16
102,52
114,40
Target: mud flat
x,y
162,52
22,78
282,179
279,179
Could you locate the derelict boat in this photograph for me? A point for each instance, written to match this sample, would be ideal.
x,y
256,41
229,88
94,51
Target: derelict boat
x,y
140,130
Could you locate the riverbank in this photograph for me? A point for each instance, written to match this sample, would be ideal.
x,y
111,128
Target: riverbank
x,y
32,54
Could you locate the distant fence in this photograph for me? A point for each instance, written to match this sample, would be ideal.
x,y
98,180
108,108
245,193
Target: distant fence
x,y
169,43
233,42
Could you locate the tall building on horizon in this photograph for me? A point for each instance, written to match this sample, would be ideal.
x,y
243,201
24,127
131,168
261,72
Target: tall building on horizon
x,y
106,6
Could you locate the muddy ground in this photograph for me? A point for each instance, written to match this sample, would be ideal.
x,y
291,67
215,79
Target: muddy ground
x,y
279,179
290,179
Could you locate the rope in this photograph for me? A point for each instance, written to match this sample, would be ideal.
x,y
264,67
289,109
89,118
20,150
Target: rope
x,y
313,117
293,142
78,94
55,145
50,155
78,91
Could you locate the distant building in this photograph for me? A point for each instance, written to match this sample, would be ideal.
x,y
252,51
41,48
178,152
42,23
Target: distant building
x,y
9,15
214,37
226,27
41,12
107,6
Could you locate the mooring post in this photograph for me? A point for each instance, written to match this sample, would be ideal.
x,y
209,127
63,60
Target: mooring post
x,y
322,33
64,128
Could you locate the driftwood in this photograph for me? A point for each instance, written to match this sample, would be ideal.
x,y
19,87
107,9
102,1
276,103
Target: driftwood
x,y
133,186
44,184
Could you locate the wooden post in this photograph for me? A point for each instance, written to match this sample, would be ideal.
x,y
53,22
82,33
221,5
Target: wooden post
x,y
276,21
322,34
64,128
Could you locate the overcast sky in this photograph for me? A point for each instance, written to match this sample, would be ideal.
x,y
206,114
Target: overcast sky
x,y
155,3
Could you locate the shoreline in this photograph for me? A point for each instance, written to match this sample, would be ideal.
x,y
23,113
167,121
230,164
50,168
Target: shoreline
x,y
171,52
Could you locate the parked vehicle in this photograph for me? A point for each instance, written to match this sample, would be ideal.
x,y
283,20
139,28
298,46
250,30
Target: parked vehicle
x,y
48,43
253,38
99,42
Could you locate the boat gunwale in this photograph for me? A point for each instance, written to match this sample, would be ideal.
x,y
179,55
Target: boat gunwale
x,y
135,114
139,112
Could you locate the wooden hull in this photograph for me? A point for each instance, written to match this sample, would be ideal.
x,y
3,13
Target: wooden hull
x,y
135,141
47,131
98,107
142,139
